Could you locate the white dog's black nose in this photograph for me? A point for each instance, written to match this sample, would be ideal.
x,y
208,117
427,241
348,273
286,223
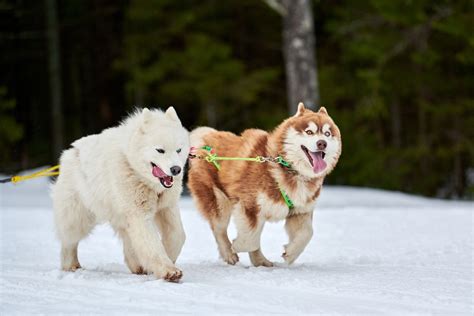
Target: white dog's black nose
x,y
175,170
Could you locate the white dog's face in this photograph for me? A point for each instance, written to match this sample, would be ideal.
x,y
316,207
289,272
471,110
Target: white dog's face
x,y
312,143
160,147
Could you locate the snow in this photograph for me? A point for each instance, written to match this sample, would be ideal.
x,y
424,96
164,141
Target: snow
x,y
373,252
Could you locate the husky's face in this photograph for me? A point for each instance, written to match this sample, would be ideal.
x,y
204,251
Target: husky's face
x,y
161,147
312,142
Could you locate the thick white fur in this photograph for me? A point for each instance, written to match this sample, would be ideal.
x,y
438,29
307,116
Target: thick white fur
x,y
300,231
108,178
298,158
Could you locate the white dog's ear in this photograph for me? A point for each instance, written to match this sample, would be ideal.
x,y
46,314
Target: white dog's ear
x,y
323,110
300,110
172,115
146,114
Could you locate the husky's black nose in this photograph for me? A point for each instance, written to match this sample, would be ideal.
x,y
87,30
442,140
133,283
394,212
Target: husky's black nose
x,y
321,144
175,170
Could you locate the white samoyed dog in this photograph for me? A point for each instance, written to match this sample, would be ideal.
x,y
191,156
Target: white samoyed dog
x,y
131,177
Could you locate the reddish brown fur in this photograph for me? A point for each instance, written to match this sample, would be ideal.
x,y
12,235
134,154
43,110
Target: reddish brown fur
x,y
242,181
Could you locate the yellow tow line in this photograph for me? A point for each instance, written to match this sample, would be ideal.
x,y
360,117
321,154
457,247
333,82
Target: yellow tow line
x,y
49,172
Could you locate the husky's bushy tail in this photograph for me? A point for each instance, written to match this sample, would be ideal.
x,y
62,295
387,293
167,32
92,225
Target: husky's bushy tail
x,y
197,135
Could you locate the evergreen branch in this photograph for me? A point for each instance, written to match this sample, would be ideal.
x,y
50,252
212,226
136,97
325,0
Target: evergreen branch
x,y
277,5
370,21
417,34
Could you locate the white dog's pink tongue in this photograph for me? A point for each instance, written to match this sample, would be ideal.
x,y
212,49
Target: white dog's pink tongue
x,y
157,172
318,162
168,181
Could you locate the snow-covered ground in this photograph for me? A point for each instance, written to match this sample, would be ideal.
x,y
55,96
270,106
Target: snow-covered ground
x,y
373,252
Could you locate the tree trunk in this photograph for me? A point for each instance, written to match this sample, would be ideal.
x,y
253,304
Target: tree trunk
x,y
54,58
299,53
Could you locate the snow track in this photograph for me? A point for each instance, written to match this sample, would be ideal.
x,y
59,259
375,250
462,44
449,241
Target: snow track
x,y
373,252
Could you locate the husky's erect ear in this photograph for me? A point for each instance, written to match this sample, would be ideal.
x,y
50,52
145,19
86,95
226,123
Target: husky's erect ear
x,y
323,110
172,115
300,110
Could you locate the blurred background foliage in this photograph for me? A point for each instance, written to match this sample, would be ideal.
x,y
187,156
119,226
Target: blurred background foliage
x,y
397,77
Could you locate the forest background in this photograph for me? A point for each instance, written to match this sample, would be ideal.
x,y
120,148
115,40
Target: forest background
x,y
397,77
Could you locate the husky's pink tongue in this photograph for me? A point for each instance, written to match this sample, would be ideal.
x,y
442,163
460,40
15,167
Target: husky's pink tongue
x,y
318,162
157,172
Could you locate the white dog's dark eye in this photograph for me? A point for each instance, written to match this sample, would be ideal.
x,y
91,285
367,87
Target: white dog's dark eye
x,y
178,151
327,134
309,132
161,151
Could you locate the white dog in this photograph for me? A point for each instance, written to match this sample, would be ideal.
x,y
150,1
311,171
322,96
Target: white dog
x,y
131,177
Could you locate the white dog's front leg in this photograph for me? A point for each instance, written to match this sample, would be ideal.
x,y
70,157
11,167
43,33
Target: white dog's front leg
x,y
147,244
131,258
171,230
300,230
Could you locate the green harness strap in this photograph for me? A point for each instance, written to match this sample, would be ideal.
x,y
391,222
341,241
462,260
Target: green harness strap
x,y
287,199
212,157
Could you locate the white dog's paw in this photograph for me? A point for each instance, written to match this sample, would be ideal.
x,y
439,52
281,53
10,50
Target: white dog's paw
x,y
72,267
139,270
169,273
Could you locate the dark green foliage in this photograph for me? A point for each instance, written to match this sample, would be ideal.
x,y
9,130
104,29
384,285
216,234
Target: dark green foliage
x,y
10,131
397,77
190,59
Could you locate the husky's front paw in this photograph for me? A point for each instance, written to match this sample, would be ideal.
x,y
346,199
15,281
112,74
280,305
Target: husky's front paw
x,y
264,262
170,274
289,255
258,259
231,258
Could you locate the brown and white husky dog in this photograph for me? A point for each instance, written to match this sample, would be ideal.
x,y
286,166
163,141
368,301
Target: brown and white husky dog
x,y
253,192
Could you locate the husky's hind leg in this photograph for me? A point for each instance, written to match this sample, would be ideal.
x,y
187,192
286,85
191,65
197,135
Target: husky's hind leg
x,y
249,230
216,208
258,259
219,226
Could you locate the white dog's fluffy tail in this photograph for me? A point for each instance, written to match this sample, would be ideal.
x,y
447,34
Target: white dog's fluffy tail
x,y
197,135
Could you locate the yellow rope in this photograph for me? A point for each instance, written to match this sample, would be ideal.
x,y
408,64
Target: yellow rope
x,y
42,173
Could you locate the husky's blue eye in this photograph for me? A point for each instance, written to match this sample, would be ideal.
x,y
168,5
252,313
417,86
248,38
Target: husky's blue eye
x,y
161,151
178,151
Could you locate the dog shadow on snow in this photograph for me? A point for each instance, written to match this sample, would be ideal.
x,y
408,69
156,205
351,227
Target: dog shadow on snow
x,y
215,271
